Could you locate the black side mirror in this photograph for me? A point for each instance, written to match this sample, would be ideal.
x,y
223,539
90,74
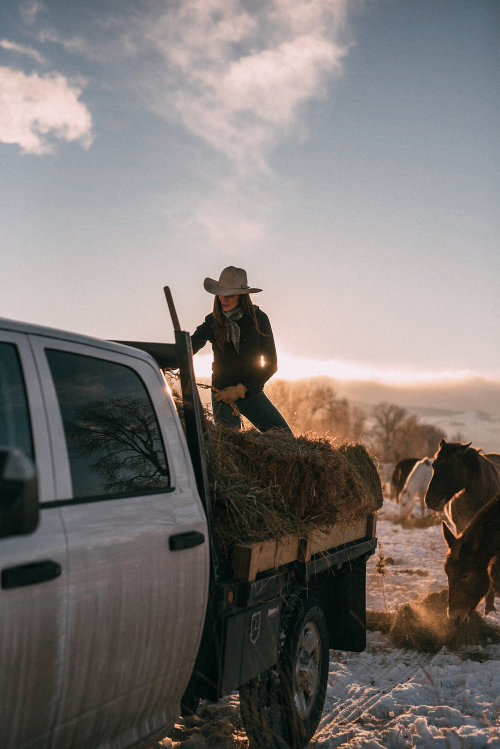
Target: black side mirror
x,y
18,493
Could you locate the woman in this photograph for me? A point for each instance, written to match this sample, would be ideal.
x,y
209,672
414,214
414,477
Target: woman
x,y
244,353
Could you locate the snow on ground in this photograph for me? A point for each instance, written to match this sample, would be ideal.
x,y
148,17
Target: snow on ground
x,y
388,697
393,698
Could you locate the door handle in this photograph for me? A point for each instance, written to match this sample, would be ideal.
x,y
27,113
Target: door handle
x,y
185,540
30,574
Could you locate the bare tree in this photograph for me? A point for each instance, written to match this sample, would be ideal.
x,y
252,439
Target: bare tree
x,y
396,434
358,420
427,438
388,420
313,406
283,394
123,438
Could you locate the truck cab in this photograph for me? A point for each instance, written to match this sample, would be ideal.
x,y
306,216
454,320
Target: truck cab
x,y
103,544
118,608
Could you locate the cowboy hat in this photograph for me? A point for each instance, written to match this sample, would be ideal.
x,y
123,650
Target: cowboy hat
x,y
231,281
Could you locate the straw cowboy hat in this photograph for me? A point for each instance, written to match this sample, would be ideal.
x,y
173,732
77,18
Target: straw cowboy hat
x,y
231,281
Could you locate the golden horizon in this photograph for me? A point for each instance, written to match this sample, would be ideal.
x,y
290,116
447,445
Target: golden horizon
x,y
294,368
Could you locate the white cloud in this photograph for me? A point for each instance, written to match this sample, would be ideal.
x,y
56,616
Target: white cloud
x,y
226,228
30,10
22,50
238,77
73,44
232,219
237,74
35,109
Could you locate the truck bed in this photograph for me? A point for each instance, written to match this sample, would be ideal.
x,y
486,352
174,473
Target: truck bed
x,y
250,559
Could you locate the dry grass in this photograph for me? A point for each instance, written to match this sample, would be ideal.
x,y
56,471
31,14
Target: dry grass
x,y
267,485
216,726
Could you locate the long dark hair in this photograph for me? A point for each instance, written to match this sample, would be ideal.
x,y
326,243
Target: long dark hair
x,y
247,308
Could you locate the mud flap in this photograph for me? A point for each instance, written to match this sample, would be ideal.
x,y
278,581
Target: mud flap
x,y
343,597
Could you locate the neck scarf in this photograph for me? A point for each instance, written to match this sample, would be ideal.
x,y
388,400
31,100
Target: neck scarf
x,y
232,327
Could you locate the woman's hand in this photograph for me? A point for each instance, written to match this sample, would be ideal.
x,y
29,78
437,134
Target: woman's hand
x,y
231,393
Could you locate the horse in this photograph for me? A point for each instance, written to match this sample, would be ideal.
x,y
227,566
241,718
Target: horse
x,y
472,564
463,480
399,476
415,486
385,472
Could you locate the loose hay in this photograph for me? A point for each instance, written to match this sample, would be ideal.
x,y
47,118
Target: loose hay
x,y
216,726
433,518
424,626
267,485
379,621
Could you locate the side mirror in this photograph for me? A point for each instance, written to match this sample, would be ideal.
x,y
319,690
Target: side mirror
x,y
18,493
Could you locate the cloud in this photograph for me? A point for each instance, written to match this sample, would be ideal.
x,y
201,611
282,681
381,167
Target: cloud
x,y
73,44
30,10
244,109
227,229
35,109
237,75
231,219
22,50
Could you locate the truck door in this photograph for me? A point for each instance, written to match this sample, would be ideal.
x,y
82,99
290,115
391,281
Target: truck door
x,y
136,594
33,594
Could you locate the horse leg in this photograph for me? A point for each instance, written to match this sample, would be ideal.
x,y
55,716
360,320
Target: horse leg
x,y
421,494
489,599
406,503
494,575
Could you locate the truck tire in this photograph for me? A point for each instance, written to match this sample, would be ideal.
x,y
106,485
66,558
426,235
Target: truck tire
x,y
261,713
281,708
189,704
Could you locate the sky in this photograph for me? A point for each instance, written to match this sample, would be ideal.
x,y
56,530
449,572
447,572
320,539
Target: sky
x,y
345,153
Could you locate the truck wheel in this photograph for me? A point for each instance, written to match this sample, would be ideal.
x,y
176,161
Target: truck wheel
x,y
189,704
261,713
304,665
282,708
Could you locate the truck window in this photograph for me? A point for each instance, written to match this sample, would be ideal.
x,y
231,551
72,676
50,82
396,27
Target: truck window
x,y
15,426
112,433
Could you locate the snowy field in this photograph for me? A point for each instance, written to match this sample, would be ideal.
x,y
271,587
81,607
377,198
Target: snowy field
x,y
393,698
388,697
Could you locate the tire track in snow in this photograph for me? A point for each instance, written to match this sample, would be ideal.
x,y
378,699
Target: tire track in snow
x,y
357,682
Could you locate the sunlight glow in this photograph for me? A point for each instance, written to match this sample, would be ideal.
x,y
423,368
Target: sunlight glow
x,y
299,368
294,368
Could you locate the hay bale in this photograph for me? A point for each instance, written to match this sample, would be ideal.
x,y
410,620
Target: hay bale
x,y
424,626
267,485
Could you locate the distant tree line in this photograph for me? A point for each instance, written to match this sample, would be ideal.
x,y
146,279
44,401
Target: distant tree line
x,y
313,407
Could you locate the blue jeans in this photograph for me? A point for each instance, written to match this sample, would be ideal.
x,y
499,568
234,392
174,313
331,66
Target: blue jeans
x,y
258,409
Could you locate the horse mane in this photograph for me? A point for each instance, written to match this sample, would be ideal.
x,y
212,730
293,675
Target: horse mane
x,y
471,455
471,459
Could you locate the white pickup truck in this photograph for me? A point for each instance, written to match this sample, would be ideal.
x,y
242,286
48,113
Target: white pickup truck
x,y
115,604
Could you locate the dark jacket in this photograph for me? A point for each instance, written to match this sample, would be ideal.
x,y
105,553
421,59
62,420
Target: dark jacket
x,y
230,368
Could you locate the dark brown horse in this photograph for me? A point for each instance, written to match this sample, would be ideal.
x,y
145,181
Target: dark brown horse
x,y
400,473
463,480
473,563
